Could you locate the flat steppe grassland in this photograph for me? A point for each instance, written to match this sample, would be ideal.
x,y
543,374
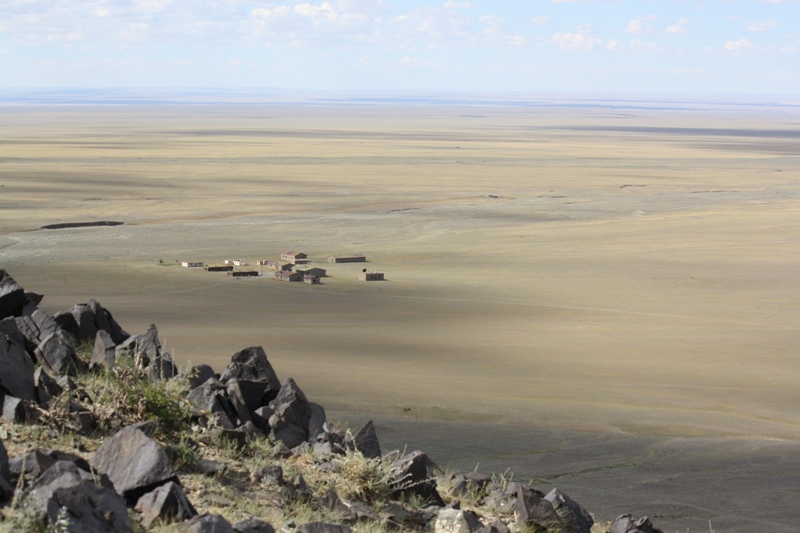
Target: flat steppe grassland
x,y
596,279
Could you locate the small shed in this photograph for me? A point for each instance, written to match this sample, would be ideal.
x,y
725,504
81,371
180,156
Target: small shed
x,y
244,274
191,264
371,276
295,258
311,280
276,265
357,258
313,271
288,275
219,268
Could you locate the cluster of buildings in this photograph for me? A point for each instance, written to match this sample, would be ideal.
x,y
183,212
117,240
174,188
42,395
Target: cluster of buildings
x,y
292,266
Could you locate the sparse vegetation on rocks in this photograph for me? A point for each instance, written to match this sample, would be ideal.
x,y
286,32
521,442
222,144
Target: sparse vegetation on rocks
x,y
101,433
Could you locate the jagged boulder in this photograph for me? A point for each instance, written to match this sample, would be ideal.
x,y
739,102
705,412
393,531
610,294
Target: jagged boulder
x,y
253,525
532,510
626,524
197,375
17,411
66,321
209,398
472,482
289,423
16,370
161,367
134,462
366,442
248,392
35,327
206,523
57,354
316,426
457,521
413,473
104,353
88,508
5,472
570,511
60,475
167,503
143,348
46,387
252,364
84,318
12,296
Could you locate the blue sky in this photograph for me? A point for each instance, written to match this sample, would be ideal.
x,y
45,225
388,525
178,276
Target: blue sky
x,y
650,46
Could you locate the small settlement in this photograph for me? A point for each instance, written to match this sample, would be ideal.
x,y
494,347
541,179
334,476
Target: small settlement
x,y
290,267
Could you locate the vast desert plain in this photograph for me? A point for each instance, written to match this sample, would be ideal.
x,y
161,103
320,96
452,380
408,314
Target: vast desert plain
x,y
601,298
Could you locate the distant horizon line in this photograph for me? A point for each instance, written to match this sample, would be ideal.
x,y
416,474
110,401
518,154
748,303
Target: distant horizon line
x,y
42,96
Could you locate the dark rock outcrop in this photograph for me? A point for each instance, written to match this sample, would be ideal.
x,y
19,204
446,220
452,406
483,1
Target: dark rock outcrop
x,y
457,521
321,527
134,462
104,353
365,441
197,375
413,473
253,525
292,415
206,523
532,510
16,370
46,387
209,398
626,524
57,354
88,508
167,503
252,364
12,296
570,511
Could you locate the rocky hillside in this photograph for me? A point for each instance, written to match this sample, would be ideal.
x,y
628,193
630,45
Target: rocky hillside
x,y
101,432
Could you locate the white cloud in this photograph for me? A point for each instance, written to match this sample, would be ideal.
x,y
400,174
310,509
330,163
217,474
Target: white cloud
x,y
499,33
576,41
739,46
412,62
638,45
540,21
636,26
433,26
613,45
753,25
678,28
457,4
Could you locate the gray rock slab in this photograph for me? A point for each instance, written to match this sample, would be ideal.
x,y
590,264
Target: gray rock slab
x,y
46,387
16,370
57,354
4,470
89,509
253,525
292,415
570,511
12,296
199,374
316,426
366,442
252,364
206,523
167,503
104,353
457,521
135,463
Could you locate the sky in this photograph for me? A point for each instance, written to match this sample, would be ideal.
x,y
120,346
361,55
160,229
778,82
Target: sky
x,y
526,46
